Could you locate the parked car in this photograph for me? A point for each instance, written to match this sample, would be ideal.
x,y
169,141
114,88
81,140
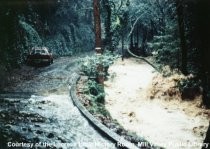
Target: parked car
x,y
39,55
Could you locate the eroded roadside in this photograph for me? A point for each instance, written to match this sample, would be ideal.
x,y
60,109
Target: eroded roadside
x,y
162,122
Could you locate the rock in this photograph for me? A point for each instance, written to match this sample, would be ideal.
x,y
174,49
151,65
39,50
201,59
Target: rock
x,y
131,114
40,108
2,115
29,129
39,132
36,139
37,125
8,126
119,131
61,139
24,129
50,135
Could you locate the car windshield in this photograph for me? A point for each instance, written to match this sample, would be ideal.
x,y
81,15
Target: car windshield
x,y
41,50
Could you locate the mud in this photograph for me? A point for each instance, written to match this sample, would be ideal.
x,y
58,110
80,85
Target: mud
x,y
166,123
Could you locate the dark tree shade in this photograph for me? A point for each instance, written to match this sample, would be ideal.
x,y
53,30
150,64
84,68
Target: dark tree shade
x,y
107,23
180,15
203,39
207,139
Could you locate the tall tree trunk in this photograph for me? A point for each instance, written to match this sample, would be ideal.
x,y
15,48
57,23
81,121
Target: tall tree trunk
x,y
137,35
108,34
122,42
203,39
98,44
144,40
131,41
207,139
183,45
97,25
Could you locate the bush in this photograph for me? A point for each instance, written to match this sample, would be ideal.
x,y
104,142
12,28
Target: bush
x,y
94,67
95,91
166,46
90,64
189,87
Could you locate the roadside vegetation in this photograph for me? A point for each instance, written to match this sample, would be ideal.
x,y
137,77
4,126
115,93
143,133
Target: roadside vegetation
x,y
92,94
171,31
92,86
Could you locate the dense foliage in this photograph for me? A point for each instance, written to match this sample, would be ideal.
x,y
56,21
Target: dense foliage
x,y
93,87
176,32
65,27
90,65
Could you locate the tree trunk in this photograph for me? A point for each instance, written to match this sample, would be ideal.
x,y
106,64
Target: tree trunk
x,y
203,40
137,35
98,44
108,37
131,41
144,40
207,139
122,50
97,26
204,46
183,46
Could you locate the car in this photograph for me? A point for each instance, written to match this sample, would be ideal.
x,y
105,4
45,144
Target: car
x,y
39,55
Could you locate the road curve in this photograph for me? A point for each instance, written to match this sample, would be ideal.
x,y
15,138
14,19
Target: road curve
x,y
46,117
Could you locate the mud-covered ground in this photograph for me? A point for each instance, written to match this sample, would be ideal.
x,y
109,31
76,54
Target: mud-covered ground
x,y
173,124
36,110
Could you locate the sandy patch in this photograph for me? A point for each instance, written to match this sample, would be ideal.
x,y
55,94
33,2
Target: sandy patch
x,y
165,123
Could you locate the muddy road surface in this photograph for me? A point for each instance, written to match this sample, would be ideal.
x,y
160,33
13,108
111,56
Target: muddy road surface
x,y
37,112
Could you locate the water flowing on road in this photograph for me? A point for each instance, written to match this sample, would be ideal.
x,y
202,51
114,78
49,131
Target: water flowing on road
x,y
46,116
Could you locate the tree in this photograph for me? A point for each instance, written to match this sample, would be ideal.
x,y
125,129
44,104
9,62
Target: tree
x,y
97,24
207,139
108,24
183,46
98,44
203,39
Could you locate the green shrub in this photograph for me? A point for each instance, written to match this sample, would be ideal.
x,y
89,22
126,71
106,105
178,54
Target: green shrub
x,y
90,64
189,88
95,91
166,46
92,88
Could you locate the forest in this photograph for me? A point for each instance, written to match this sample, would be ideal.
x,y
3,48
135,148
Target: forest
x,y
176,33
171,36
